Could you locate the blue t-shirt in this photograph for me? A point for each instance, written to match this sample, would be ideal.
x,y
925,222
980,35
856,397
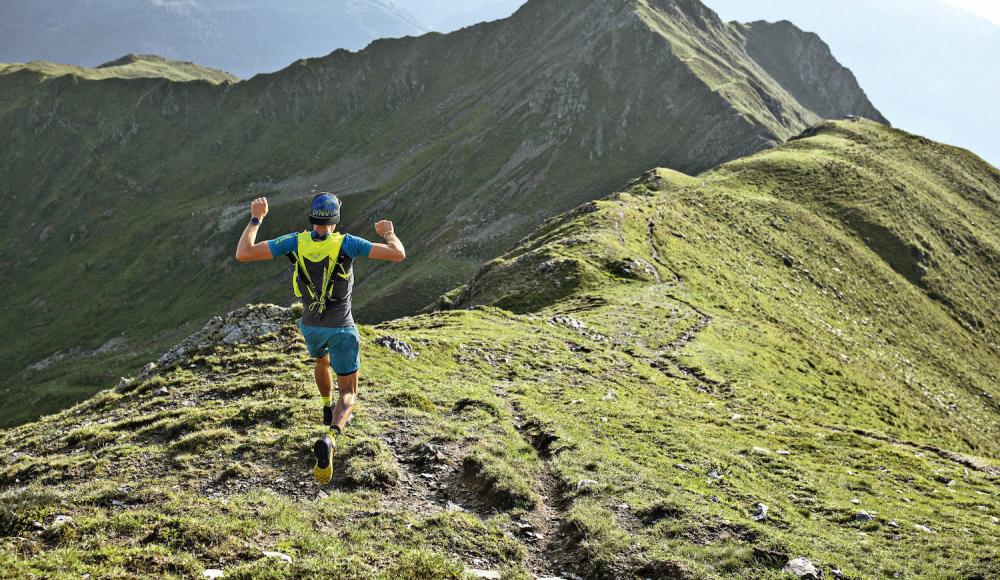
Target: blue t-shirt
x,y
353,246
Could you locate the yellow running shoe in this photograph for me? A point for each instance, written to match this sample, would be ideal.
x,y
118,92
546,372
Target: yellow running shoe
x,y
323,470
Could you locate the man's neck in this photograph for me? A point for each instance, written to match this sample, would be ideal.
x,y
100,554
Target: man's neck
x,y
323,231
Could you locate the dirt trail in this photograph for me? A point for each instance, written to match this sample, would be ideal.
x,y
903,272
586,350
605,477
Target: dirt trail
x,y
542,531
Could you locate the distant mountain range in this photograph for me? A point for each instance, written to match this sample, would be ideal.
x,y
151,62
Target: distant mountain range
x,y
467,140
243,37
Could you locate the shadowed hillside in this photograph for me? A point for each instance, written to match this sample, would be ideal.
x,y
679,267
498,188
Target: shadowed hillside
x,y
732,375
136,189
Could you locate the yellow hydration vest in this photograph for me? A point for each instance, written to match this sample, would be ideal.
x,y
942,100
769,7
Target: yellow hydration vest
x,y
317,251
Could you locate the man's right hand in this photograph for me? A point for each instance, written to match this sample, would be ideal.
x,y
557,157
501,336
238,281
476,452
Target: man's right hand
x,y
258,208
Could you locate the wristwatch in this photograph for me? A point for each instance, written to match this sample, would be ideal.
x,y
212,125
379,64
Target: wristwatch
x,y
255,221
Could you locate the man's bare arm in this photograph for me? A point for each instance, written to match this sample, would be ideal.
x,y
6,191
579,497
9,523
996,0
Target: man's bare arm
x,y
392,250
248,250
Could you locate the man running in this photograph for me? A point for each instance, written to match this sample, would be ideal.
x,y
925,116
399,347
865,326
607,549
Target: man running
x,y
324,279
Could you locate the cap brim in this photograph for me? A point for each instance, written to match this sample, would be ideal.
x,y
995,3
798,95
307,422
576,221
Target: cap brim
x,y
324,221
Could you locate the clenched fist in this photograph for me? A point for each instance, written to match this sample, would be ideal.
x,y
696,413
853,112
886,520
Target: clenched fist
x,y
258,208
384,228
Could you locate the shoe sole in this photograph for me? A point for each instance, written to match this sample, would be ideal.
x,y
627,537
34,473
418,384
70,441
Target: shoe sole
x,y
323,448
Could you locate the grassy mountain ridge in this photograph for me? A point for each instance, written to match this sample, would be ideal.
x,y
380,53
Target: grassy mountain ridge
x,y
244,37
683,351
127,67
559,104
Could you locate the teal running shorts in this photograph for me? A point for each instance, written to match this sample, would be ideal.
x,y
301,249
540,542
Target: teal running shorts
x,y
342,344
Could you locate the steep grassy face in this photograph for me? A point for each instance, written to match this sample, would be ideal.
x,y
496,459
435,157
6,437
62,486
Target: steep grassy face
x,y
135,189
712,344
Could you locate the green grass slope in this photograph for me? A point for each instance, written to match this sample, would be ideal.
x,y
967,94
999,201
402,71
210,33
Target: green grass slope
x,y
132,66
667,359
135,189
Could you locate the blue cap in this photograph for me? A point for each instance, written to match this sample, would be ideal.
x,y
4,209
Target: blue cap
x,y
325,210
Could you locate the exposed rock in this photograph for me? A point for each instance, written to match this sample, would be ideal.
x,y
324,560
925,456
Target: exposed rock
x,y
428,453
803,568
61,521
922,528
892,524
278,556
610,396
568,322
397,346
585,483
489,574
213,573
162,392
237,327
863,516
759,513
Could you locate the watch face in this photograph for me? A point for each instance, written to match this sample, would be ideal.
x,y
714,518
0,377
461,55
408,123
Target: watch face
x,y
255,221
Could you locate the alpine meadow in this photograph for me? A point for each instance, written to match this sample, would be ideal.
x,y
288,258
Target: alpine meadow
x,y
677,302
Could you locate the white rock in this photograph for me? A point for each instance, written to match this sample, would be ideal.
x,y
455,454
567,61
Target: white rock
x,y
855,501
923,529
584,483
61,521
863,516
783,452
278,555
490,574
213,573
611,396
759,513
802,568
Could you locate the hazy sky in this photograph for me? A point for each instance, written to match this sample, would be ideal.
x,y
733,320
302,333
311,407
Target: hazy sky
x,y
988,9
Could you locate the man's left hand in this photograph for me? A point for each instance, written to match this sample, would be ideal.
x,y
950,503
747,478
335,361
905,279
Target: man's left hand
x,y
384,228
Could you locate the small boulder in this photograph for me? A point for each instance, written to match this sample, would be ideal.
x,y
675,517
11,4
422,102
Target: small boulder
x,y
924,529
863,516
803,568
213,573
397,346
585,483
759,513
